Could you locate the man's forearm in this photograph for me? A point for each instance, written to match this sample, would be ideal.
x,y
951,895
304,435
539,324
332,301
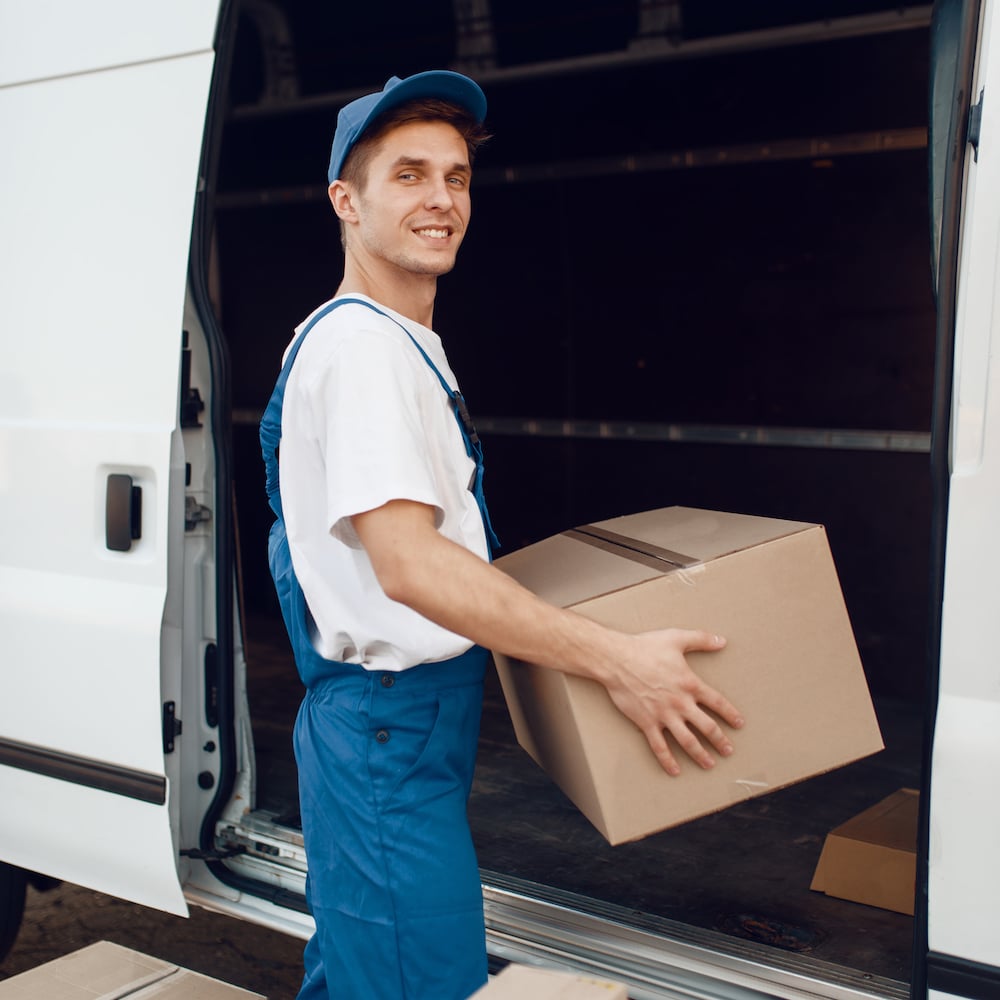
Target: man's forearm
x,y
461,592
647,676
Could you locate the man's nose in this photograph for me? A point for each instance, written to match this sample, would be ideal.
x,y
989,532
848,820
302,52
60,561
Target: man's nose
x,y
439,194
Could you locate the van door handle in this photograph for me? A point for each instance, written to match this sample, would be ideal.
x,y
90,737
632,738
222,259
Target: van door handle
x,y
123,513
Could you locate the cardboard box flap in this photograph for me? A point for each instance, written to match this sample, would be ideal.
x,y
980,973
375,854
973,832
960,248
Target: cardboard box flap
x,y
891,823
653,556
105,970
187,985
101,969
701,535
561,569
623,552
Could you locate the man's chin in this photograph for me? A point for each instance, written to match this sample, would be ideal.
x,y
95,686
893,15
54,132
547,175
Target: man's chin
x,y
433,267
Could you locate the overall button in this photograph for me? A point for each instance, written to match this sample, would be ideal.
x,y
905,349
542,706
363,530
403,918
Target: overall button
x,y
382,736
388,680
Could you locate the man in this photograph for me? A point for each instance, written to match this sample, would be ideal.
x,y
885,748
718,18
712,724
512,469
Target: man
x,y
385,580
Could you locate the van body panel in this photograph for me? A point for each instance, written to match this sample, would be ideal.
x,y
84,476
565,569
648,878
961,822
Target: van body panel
x,y
103,167
34,835
47,38
963,862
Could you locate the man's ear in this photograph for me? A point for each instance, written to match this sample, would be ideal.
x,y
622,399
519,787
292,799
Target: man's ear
x,y
341,197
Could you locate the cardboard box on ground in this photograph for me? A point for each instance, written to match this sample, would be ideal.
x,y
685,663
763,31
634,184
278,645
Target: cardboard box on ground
x,y
791,664
872,858
522,982
109,970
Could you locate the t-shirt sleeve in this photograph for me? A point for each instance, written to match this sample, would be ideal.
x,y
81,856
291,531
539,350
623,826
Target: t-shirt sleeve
x,y
370,418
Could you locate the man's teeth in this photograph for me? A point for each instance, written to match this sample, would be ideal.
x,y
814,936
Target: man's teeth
x,y
437,234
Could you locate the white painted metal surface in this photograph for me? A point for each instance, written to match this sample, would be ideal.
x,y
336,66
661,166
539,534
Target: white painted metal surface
x,y
49,38
964,882
99,175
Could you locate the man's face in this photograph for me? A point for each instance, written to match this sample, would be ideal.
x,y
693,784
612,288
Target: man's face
x,y
415,205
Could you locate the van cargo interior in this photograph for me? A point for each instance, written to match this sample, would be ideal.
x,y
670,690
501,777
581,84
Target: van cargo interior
x,y
698,273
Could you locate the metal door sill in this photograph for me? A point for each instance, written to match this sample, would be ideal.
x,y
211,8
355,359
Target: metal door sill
x,y
657,959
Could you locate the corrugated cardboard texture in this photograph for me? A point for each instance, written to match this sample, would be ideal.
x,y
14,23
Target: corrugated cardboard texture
x,y
106,971
872,858
521,982
791,666
699,535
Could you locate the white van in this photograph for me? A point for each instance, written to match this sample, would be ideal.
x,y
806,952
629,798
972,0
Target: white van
x,y
728,255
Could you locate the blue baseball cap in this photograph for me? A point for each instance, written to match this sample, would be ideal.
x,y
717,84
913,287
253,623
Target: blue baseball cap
x,y
354,118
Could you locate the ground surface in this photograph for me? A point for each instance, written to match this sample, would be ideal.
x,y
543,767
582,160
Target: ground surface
x,y
67,918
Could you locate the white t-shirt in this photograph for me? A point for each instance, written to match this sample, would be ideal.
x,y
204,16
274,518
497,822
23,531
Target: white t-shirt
x,y
365,421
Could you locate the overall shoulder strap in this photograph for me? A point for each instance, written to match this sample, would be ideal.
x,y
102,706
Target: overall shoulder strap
x,y
270,425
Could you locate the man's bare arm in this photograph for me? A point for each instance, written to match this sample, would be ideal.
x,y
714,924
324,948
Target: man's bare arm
x,y
646,675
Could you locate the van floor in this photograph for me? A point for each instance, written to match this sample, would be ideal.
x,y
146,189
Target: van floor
x,y
744,872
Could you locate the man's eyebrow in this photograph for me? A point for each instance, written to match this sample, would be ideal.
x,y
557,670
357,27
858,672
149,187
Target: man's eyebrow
x,y
416,161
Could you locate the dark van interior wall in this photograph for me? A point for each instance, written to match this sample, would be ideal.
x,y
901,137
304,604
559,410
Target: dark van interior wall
x,y
682,274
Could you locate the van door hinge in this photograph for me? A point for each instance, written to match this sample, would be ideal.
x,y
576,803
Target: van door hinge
x,y
195,513
172,726
975,126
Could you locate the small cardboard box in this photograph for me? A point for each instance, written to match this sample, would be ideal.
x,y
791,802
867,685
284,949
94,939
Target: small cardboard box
x,y
791,665
522,982
872,858
105,970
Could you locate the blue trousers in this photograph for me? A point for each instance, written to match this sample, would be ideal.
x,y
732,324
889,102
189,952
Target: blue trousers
x,y
385,769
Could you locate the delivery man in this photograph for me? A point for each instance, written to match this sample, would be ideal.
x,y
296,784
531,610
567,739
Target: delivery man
x,y
381,558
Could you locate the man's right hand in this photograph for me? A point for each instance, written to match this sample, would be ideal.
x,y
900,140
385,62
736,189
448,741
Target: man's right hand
x,y
654,686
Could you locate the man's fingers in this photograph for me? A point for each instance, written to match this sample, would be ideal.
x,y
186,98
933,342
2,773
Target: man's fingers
x,y
661,749
721,706
684,728
690,744
713,732
698,641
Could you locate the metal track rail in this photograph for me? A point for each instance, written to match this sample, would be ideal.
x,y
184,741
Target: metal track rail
x,y
656,958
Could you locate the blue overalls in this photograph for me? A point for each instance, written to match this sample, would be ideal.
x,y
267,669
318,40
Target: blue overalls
x,y
385,765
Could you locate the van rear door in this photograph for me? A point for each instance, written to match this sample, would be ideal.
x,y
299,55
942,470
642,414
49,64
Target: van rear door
x,y
102,110
963,810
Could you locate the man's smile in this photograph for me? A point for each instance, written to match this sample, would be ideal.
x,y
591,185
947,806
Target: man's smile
x,y
434,232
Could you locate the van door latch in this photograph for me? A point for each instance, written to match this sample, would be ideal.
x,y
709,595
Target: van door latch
x,y
975,126
122,512
172,726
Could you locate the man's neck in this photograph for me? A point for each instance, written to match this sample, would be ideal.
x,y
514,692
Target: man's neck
x,y
410,295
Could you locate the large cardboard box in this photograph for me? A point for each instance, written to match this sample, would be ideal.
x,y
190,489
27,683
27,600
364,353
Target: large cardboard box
x,y
522,982
105,970
791,665
872,858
